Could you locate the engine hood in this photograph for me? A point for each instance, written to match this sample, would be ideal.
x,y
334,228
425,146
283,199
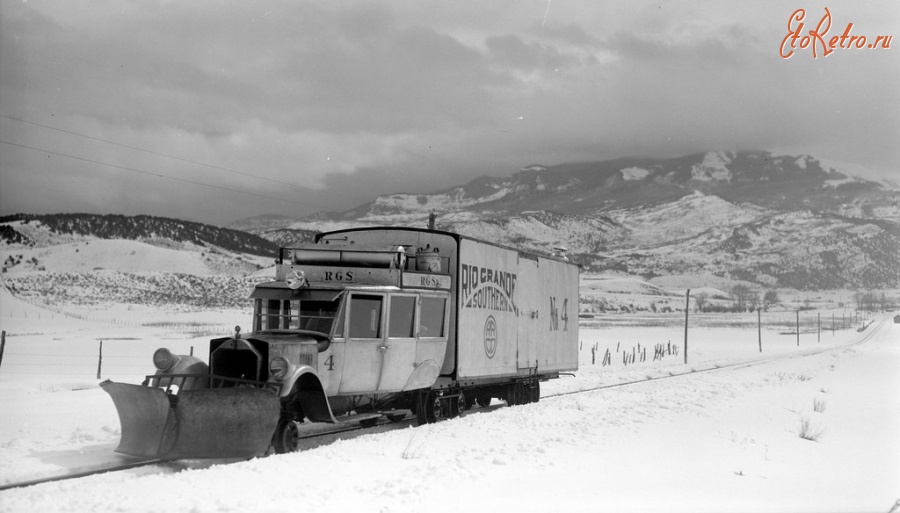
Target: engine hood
x,y
281,337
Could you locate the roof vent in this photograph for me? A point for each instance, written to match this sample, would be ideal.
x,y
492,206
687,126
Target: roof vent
x,y
560,252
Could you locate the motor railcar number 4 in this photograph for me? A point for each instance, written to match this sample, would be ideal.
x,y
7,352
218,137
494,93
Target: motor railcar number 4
x,y
555,317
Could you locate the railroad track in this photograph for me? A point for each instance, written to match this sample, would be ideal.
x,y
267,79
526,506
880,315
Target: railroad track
x,y
872,329
158,462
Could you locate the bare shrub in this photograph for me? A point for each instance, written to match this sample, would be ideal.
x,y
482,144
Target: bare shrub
x,y
412,450
810,432
819,405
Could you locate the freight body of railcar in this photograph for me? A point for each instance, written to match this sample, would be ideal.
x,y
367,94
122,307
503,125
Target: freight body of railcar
x,y
362,324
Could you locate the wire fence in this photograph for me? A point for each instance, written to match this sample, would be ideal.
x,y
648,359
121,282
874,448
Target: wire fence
x,y
86,358
132,356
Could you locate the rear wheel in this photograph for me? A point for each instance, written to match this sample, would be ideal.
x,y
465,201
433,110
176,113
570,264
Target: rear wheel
x,y
434,411
536,392
457,405
428,407
287,436
522,395
515,393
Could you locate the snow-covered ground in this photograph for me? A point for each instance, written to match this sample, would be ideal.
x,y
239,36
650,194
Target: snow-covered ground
x,y
726,440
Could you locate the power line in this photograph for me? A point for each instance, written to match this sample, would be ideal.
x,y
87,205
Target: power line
x,y
175,157
158,175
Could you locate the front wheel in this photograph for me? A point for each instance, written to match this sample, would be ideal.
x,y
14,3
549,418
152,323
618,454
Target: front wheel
x,y
287,436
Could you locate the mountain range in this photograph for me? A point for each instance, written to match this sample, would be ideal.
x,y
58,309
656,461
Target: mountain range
x,y
777,221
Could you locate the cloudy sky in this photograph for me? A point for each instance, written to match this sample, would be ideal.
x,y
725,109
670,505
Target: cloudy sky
x,y
217,110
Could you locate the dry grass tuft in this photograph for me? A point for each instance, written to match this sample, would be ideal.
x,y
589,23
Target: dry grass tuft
x,y
819,405
810,432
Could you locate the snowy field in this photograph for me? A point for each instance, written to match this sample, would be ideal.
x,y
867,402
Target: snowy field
x,y
725,440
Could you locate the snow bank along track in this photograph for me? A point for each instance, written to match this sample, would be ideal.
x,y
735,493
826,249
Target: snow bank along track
x,y
870,332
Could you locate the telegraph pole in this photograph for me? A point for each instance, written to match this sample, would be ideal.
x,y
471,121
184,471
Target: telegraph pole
x,y
687,307
100,360
759,326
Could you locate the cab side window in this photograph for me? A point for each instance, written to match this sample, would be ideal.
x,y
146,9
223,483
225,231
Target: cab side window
x,y
431,318
402,315
365,316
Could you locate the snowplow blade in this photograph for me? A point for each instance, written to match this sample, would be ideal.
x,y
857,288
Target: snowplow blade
x,y
204,423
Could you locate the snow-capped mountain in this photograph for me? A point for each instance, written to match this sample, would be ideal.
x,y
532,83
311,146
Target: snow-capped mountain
x,y
772,219
784,183
778,221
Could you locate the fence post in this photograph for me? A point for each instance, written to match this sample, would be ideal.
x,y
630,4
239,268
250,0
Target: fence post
x,y
759,326
819,327
2,345
687,307
100,360
798,328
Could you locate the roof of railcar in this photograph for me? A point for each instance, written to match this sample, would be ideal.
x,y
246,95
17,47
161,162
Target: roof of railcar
x,y
456,236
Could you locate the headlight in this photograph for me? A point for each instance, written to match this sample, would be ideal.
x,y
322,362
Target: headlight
x,y
163,359
295,279
278,368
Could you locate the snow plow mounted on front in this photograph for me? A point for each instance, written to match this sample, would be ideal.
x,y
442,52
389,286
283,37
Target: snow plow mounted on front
x,y
203,423
363,324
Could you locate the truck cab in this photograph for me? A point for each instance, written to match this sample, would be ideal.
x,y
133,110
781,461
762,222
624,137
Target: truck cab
x,y
373,339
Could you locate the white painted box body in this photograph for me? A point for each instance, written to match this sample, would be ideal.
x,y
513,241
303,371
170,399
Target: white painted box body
x,y
513,313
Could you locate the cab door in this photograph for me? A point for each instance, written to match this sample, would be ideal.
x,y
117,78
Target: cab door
x,y
399,349
364,345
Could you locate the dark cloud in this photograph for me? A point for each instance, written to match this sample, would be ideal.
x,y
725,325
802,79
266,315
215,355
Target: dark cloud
x,y
511,52
361,98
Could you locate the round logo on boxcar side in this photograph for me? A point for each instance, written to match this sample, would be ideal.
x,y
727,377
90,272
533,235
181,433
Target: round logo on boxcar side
x,y
490,336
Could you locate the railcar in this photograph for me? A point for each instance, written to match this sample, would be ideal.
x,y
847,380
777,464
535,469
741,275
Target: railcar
x,y
362,324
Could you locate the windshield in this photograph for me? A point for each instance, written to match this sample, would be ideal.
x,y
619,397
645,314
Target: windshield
x,y
312,315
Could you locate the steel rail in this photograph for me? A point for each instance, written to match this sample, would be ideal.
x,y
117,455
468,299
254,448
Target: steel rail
x,y
76,475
